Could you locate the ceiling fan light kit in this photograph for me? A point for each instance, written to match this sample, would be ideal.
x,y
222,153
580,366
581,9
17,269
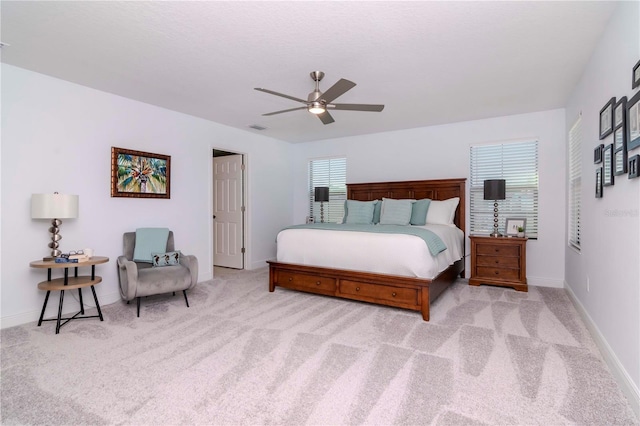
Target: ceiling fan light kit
x,y
318,102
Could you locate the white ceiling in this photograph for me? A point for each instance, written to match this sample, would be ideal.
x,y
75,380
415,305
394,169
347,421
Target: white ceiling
x,y
430,63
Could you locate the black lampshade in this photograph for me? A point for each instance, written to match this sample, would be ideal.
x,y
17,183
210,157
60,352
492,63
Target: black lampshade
x,y
494,189
322,193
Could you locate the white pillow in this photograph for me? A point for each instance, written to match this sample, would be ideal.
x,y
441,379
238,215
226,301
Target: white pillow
x,y
395,212
442,212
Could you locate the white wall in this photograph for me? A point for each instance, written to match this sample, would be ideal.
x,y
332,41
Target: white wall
x,y
610,226
443,152
57,136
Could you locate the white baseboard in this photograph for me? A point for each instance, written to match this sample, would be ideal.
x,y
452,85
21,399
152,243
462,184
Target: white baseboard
x,y
629,389
258,264
545,282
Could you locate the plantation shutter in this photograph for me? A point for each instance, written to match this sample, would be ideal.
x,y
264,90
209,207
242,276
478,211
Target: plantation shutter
x,y
517,163
575,183
331,172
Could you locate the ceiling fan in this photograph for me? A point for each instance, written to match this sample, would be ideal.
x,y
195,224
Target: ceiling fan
x,y
320,103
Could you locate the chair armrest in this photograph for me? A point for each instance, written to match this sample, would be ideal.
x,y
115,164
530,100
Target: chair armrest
x,y
127,277
191,263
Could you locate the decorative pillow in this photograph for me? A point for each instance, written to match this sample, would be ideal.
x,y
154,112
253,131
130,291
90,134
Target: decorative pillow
x,y
359,212
166,259
395,212
376,212
419,212
442,212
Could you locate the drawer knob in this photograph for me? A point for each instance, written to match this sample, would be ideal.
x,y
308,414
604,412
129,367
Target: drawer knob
x,y
357,288
497,261
497,272
497,250
290,279
317,282
393,294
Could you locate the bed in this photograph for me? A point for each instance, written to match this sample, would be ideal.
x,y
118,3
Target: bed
x,y
408,289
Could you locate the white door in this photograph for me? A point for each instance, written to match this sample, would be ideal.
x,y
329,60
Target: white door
x,y
228,212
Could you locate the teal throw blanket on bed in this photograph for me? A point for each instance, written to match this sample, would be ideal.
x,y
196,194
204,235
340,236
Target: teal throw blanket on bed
x,y
434,243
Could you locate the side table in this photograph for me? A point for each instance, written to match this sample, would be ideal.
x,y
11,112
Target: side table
x,y
500,261
69,283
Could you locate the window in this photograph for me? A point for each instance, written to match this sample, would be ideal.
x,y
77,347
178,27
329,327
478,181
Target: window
x,y
331,172
517,163
575,183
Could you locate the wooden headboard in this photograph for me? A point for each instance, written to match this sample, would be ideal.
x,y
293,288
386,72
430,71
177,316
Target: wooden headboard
x,y
440,189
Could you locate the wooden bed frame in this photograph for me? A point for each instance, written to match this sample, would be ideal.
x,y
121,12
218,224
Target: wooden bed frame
x,y
390,290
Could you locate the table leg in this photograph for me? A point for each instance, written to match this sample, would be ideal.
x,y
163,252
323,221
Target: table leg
x,y
46,299
81,302
97,304
60,311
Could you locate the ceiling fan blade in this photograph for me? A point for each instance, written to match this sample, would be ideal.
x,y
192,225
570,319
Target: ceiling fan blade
x,y
357,107
338,89
326,118
284,110
271,92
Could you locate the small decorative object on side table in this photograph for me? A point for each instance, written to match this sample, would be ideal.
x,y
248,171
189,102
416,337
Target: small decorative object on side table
x,y
499,261
69,283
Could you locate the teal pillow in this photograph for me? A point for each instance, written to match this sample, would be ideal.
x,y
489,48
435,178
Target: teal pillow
x,y
419,211
395,212
359,212
166,259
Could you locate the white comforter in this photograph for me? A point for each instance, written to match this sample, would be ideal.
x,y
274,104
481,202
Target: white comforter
x,y
393,254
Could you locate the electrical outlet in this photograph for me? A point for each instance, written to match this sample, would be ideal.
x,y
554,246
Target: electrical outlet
x,y
588,289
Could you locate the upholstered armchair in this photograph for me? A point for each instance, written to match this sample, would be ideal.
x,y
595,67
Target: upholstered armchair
x,y
140,279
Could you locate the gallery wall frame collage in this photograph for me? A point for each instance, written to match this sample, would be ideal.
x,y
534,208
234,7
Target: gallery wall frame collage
x,y
620,118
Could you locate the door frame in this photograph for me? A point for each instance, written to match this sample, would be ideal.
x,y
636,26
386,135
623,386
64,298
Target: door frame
x,y
217,152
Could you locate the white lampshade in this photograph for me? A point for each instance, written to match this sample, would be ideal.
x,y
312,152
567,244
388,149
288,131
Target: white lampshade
x,y
54,206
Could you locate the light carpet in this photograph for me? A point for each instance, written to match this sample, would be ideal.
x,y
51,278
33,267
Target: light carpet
x,y
242,355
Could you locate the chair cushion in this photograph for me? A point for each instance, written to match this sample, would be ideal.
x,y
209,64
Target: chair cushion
x,y
162,280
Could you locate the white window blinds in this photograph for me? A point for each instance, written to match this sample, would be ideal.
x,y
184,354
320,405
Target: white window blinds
x,y
575,183
517,163
331,172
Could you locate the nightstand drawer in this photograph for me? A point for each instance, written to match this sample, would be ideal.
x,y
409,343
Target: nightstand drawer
x,y
498,262
498,249
498,273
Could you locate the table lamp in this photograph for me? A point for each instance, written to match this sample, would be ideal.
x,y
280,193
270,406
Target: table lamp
x,y
495,189
322,195
55,207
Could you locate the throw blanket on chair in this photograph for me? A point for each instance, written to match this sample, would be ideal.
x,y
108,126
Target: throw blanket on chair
x,y
149,240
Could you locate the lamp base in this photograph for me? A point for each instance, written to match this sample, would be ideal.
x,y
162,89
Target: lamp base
x,y
495,234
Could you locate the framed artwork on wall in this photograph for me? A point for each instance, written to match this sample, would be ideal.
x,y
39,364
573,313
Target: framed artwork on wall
x,y
635,76
633,122
606,118
634,164
139,174
597,154
599,182
607,165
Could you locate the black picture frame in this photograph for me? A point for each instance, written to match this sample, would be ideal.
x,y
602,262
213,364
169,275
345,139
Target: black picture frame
x,y
606,118
620,162
599,182
607,166
634,166
633,122
620,113
597,154
635,76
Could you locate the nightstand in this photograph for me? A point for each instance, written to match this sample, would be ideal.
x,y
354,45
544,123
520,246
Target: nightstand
x,y
499,261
